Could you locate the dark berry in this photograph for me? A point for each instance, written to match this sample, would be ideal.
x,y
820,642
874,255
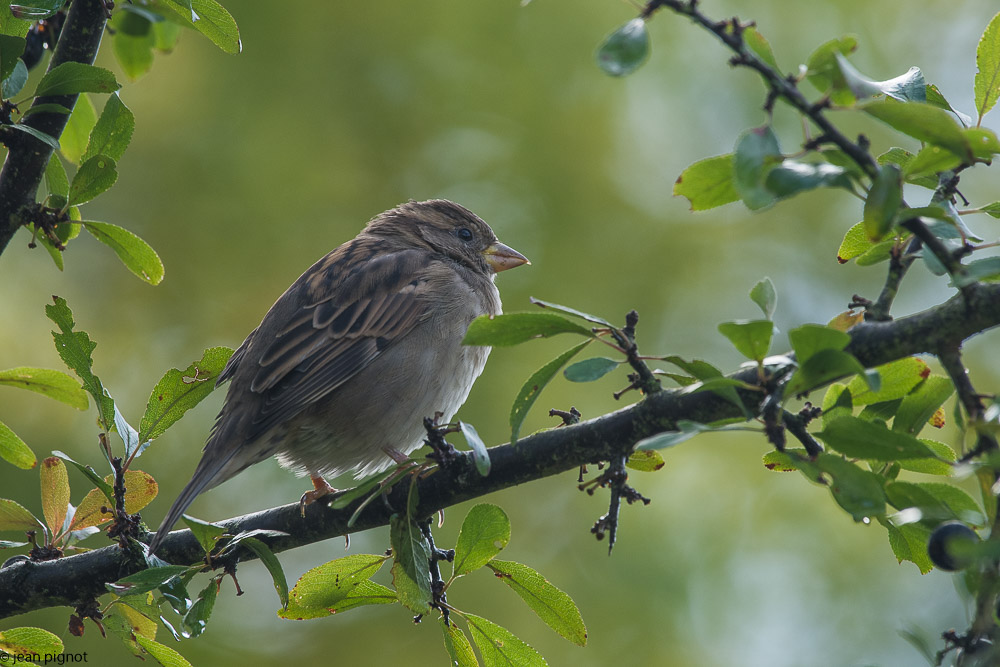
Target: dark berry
x,y
950,546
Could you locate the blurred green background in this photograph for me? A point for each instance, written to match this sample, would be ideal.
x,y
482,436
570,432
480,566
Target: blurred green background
x,y
244,170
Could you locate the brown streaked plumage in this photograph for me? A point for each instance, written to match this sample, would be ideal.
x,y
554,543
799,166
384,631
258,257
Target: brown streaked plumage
x,y
365,344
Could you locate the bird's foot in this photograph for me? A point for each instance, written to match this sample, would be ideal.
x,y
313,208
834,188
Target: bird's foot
x,y
321,488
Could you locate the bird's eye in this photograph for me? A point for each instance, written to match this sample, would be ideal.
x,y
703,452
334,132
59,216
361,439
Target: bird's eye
x,y
464,233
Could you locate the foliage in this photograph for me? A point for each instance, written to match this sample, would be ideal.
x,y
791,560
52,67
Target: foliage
x,y
866,442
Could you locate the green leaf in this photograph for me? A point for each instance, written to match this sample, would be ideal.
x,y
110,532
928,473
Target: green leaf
x,y
935,98
164,655
573,312
147,580
46,108
29,644
708,183
820,368
757,151
882,412
165,36
792,177
94,177
136,254
751,338
879,252
931,160
783,461
624,50
516,328
14,83
56,181
589,370
43,240
909,542
270,562
336,586
923,122
986,269
485,532
47,139
824,73
533,386
937,213
237,540
89,473
942,465
9,544
705,372
410,570
75,348
14,450
179,391
55,493
71,78
458,646
757,43
837,402
130,616
883,202
73,141
859,492
36,10
480,455
365,593
937,502
686,430
809,339
987,83
764,295
9,24
11,48
132,43
196,619
862,439
551,604
903,159
205,532
908,87
54,384
499,647
645,460
993,210
207,17
984,142
920,404
15,517
133,446
113,131
366,485
898,378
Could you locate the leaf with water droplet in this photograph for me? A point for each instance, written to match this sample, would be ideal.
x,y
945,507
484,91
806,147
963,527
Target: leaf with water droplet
x,y
625,49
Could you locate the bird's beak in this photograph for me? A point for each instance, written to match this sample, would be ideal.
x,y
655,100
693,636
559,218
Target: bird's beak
x,y
502,257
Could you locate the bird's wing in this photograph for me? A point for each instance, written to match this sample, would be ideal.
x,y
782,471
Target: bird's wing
x,y
341,326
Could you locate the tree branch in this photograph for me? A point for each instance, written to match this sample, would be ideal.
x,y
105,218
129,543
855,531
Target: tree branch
x,y
27,157
26,585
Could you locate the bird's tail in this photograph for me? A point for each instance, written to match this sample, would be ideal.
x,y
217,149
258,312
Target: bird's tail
x,y
206,476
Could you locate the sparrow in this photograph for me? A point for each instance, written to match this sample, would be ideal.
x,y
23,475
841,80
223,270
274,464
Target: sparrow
x,y
344,367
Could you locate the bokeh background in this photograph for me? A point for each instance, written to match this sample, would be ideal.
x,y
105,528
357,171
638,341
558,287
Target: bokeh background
x,y
244,170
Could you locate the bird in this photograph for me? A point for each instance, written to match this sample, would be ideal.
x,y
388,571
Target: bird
x,y
364,345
